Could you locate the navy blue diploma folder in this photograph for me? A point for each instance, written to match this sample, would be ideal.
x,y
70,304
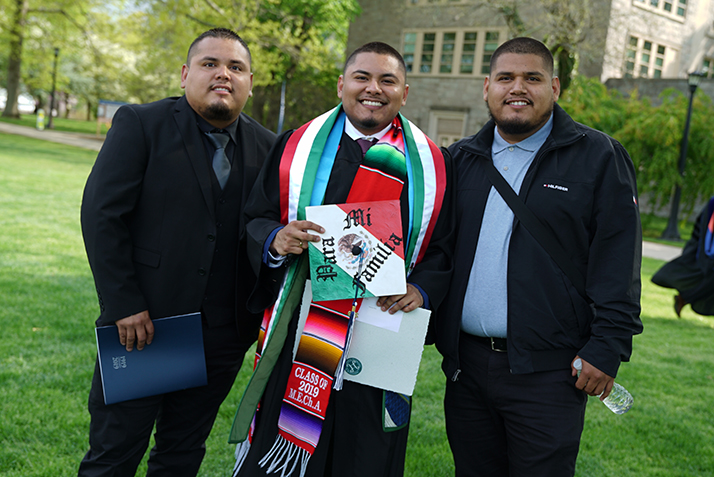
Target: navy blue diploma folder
x,y
173,361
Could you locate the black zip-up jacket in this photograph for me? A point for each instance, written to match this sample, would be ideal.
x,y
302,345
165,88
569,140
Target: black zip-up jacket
x,y
581,185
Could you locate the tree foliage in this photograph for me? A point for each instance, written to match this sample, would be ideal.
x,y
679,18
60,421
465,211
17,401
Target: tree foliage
x,y
562,25
653,137
298,41
654,140
132,50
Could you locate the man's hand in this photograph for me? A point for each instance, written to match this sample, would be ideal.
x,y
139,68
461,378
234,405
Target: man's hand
x,y
293,238
410,301
136,329
592,380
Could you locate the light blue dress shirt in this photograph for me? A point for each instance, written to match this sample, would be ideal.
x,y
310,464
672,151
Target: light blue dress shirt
x,y
485,310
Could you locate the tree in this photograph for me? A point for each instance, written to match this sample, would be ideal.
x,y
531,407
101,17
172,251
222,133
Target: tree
x,y
588,101
57,22
17,36
653,136
562,25
290,40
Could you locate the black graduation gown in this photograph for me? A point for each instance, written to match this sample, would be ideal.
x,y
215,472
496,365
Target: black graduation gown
x,y
692,273
352,442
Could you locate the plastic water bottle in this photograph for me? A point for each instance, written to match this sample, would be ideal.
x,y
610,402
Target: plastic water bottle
x,y
618,401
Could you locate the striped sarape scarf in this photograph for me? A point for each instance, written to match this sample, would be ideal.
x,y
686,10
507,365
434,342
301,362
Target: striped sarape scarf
x,y
305,167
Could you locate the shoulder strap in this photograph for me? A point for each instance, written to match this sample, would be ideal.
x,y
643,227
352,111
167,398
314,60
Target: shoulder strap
x,y
536,228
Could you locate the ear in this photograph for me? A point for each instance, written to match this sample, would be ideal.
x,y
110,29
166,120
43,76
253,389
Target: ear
x,y
250,92
485,89
406,92
184,74
340,85
556,88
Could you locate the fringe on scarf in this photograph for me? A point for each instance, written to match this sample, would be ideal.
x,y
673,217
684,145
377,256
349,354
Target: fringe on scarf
x,y
340,373
282,455
242,450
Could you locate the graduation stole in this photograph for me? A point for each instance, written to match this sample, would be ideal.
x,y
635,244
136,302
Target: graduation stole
x,y
305,168
709,232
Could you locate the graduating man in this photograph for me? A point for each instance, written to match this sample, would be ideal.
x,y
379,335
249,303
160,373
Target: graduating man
x,y
161,218
514,322
359,430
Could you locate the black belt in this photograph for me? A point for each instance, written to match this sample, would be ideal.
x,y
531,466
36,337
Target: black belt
x,y
496,344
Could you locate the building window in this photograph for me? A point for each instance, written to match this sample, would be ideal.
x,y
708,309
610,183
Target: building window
x,y
446,127
451,52
644,58
673,8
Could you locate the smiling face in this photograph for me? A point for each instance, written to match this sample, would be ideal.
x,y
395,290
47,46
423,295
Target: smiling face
x,y
218,80
520,94
373,90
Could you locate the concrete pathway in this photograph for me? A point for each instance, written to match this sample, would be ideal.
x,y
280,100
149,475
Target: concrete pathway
x,y
660,251
88,141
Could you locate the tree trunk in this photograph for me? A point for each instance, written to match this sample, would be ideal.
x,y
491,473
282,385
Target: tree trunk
x,y
67,109
272,107
14,63
566,64
258,104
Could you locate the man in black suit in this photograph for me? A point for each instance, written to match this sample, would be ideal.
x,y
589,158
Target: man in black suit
x,y
163,228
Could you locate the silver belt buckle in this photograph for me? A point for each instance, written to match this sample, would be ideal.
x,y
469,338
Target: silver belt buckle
x,y
493,347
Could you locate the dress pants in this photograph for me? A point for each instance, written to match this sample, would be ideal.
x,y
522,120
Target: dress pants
x,y
518,425
119,433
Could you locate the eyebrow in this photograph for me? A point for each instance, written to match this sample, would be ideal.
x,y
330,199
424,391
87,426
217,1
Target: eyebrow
x,y
527,73
367,73
216,60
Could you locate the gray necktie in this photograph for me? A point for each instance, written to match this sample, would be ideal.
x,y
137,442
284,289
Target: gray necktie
x,y
221,164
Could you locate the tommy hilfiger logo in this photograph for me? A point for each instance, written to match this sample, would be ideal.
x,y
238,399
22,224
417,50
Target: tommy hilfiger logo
x,y
556,187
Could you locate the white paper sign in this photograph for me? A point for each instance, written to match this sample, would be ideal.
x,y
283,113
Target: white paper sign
x,y
383,358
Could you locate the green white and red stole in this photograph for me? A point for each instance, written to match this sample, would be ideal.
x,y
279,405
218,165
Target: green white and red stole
x,y
305,166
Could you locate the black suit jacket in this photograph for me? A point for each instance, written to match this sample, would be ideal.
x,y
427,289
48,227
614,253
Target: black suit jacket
x,y
148,213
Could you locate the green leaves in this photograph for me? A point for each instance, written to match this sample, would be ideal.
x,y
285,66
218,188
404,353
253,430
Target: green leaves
x,y
653,137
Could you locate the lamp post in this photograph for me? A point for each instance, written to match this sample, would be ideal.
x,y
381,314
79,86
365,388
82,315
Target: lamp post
x,y
672,230
50,124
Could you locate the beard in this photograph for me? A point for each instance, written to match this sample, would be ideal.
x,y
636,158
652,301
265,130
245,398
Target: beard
x,y
219,112
367,124
519,127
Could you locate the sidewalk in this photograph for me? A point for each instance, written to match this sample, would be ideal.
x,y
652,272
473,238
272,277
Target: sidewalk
x,y
86,141
660,251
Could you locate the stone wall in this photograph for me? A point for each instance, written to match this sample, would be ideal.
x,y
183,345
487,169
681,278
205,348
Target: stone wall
x,y
652,88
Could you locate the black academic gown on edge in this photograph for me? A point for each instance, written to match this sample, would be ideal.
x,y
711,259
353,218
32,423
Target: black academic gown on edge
x,y
692,273
352,442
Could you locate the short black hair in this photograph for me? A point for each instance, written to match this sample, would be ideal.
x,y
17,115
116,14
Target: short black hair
x,y
381,49
525,46
223,34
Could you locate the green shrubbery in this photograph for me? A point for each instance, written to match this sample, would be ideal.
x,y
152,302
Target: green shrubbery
x,y
653,136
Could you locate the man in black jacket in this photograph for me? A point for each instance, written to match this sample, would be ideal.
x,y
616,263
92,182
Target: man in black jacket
x,y
514,322
162,225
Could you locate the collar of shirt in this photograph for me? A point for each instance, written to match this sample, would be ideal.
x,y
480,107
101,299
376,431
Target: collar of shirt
x,y
231,129
352,131
530,144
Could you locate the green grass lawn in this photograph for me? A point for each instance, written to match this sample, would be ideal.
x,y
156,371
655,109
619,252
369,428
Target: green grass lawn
x,y
60,124
47,351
